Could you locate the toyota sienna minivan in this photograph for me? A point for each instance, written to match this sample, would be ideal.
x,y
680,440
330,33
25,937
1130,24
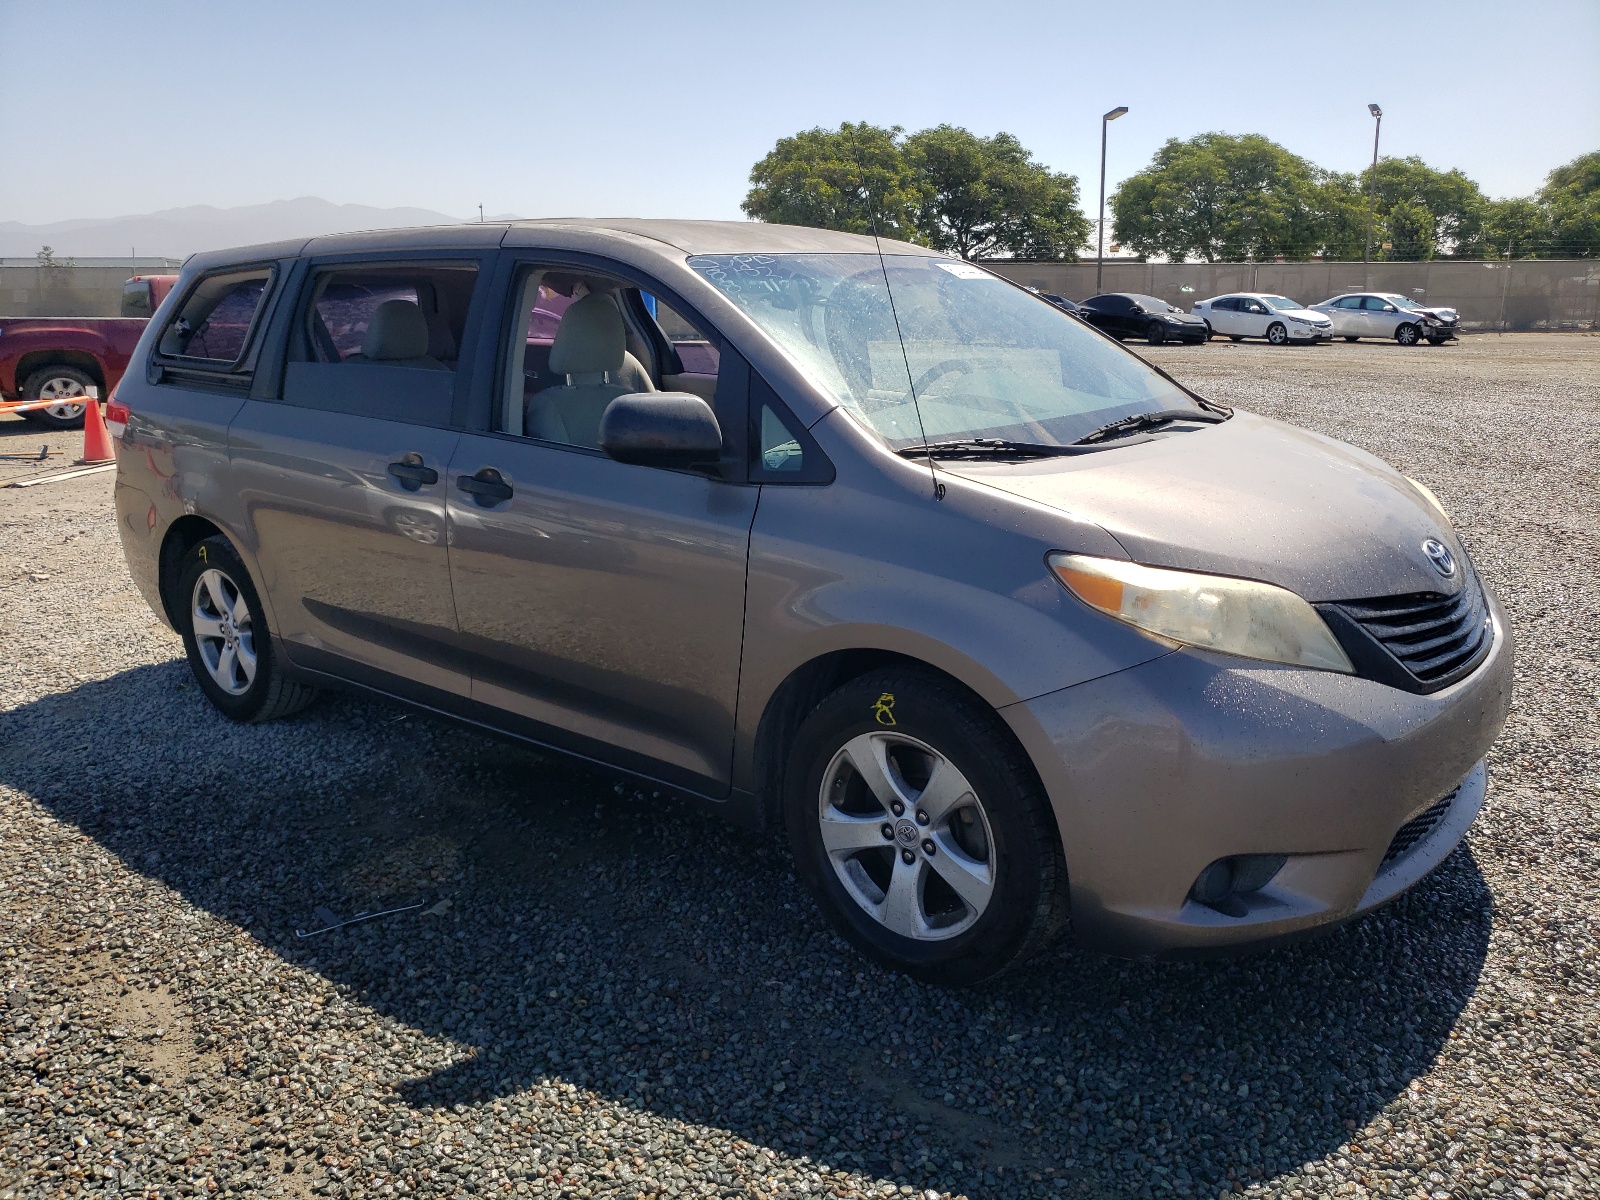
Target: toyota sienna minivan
x,y
1006,631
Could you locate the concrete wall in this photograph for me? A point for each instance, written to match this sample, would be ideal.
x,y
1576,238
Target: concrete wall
x,y
1523,294
92,289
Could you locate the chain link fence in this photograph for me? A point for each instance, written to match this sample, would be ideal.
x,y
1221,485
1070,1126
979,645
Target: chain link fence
x,y
1520,294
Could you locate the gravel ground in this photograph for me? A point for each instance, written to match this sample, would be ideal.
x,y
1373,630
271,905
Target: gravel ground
x,y
603,994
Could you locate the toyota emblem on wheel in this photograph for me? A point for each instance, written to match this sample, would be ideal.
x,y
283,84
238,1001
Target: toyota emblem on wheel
x,y
1439,555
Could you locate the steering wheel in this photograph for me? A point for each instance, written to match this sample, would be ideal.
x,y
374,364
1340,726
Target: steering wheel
x,y
938,371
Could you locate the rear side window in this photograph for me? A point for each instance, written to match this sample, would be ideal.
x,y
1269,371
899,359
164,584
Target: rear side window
x,y
136,298
214,324
1348,302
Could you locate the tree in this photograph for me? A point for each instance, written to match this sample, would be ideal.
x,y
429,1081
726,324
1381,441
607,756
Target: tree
x,y
985,198
1423,212
1220,197
1571,200
945,187
1515,228
841,179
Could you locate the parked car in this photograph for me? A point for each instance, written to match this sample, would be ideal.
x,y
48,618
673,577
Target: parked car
x,y
1356,315
1061,302
59,361
1127,314
1005,630
1259,314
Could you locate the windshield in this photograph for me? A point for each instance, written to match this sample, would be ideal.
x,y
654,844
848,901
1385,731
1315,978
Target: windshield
x,y
1281,302
1405,302
974,356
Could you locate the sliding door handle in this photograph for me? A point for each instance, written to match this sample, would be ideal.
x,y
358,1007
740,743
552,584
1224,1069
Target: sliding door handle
x,y
411,473
486,487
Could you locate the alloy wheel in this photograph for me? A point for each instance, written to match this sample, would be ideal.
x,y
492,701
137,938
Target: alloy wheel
x,y
907,836
223,632
60,391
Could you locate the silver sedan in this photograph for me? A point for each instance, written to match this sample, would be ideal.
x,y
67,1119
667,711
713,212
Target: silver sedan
x,y
1388,315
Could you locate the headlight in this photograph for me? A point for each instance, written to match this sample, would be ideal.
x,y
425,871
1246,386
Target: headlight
x,y
1432,500
1213,612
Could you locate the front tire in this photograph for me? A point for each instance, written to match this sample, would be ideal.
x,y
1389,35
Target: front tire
x,y
969,879
226,639
1407,334
67,389
1236,337
1277,334
1348,338
1155,333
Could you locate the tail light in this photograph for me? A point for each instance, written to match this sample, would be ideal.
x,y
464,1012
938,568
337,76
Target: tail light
x,y
116,416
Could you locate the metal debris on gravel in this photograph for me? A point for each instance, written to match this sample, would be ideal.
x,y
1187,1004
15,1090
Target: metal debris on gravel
x,y
608,994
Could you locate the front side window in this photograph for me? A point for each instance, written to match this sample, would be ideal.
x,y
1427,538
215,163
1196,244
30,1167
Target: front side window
x,y
925,348
214,323
1375,304
582,338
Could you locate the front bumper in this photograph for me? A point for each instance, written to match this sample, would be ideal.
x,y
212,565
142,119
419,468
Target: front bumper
x,y
1159,770
1310,334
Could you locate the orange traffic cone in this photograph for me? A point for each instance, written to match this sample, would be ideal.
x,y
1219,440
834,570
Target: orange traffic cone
x,y
97,446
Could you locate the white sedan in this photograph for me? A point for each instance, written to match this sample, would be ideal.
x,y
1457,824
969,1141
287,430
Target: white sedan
x,y
1257,314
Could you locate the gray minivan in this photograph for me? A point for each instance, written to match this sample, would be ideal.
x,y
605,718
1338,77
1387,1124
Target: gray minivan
x,y
1005,629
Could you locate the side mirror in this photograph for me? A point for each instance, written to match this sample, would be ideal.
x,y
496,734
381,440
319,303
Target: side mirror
x,y
661,429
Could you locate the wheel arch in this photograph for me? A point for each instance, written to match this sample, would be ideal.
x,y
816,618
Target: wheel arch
x,y
81,360
794,699
181,535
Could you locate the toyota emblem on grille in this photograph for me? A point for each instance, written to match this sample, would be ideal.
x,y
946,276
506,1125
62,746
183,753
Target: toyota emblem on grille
x,y
1439,555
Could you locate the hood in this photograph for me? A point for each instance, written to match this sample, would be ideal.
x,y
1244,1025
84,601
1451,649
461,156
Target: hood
x,y
1305,314
1185,318
1252,498
1444,314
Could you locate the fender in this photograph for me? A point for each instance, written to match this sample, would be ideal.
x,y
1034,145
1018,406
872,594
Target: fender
x,y
109,341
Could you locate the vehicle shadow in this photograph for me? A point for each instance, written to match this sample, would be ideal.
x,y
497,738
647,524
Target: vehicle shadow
x,y
643,950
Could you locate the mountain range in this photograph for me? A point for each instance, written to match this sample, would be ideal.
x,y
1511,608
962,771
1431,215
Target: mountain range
x,y
177,232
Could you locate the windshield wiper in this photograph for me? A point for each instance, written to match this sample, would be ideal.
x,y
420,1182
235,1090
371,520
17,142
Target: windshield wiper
x,y
1150,420
985,448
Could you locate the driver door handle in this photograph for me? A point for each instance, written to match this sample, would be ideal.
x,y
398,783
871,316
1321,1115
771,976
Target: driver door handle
x,y
486,487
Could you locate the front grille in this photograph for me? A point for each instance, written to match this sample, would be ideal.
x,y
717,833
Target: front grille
x,y
1437,639
1416,829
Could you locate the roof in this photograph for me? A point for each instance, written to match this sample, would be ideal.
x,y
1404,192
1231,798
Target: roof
x,y
734,237
686,237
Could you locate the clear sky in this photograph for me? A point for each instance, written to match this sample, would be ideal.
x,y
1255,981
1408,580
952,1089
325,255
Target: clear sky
x,y
617,107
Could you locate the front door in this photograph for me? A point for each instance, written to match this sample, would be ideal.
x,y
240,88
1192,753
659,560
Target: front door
x,y
1253,318
342,481
602,603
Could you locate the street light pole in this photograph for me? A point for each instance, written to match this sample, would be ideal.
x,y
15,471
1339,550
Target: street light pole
x,y
1100,229
1372,184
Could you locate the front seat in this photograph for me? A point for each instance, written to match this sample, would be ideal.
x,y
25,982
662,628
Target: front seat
x,y
589,349
397,337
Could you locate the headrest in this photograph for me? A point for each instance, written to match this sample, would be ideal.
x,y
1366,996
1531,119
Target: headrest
x,y
590,338
398,331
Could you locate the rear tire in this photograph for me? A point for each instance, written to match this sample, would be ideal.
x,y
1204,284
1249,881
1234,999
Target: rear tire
x,y
1236,337
1210,333
68,387
226,638
1277,334
1408,334
992,890
1348,338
